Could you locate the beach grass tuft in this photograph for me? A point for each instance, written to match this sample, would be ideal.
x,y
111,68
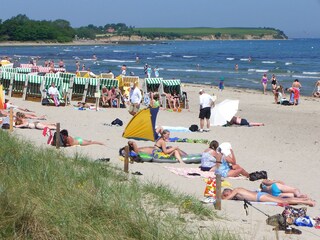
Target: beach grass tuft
x,y
46,195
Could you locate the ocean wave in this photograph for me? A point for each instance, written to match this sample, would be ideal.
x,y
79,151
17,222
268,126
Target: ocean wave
x,y
193,70
303,76
116,60
311,73
164,56
288,63
244,59
149,58
269,62
257,70
230,59
120,51
135,67
189,56
67,50
89,59
249,80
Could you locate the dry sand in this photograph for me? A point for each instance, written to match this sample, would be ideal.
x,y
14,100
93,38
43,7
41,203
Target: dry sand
x,y
287,147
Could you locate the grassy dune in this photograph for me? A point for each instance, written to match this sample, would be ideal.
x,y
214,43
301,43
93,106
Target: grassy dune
x,y
46,195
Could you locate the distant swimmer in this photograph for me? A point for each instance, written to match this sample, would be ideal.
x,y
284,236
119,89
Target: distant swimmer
x,y
94,57
236,67
137,59
249,59
198,66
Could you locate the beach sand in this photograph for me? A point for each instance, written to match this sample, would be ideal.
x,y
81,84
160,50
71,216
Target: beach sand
x,y
287,147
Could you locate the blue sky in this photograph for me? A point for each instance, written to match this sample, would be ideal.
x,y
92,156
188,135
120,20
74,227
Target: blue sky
x,y
296,18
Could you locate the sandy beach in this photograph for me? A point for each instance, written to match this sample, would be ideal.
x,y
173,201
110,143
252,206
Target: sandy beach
x,y
287,147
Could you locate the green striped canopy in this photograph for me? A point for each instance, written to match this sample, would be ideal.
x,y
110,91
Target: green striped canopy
x,y
6,75
154,80
19,77
173,82
35,79
109,83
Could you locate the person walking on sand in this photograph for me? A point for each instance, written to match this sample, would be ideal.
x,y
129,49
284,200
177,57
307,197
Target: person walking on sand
x,y
264,81
206,102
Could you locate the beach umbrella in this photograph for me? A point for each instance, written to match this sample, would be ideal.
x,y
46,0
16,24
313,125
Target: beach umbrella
x,y
142,125
223,112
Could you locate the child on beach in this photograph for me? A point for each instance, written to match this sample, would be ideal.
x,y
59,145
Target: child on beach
x,y
221,84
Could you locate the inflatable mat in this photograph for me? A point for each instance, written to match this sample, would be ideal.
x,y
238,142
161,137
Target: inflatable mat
x,y
190,158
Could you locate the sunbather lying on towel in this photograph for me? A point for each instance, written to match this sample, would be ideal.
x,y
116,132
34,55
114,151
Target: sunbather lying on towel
x,y
244,194
76,141
279,189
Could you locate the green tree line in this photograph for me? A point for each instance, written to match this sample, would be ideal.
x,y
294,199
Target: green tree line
x,y
21,28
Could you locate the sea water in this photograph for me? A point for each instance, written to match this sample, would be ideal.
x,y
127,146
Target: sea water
x,y
201,62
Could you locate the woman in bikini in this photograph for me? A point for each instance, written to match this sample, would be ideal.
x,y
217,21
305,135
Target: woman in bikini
x,y
77,141
161,151
244,194
22,122
279,189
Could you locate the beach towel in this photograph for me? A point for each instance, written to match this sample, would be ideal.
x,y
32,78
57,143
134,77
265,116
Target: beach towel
x,y
190,172
176,129
189,140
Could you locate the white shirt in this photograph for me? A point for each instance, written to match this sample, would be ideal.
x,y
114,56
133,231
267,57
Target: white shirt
x,y
53,91
135,95
205,100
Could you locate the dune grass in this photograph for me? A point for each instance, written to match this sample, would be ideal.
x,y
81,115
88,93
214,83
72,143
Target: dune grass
x,y
46,195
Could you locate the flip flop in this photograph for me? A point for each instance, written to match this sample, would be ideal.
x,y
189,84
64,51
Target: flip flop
x,y
194,174
137,173
104,159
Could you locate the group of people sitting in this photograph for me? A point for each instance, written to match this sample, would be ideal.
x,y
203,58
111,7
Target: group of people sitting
x,y
110,97
220,158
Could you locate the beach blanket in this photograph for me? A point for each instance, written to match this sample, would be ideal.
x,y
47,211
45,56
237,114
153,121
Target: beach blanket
x,y
189,140
176,129
90,109
190,172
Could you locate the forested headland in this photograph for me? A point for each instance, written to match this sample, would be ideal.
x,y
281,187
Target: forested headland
x,y
22,29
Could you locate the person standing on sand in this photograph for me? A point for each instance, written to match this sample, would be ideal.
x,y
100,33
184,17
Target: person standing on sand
x,y
135,98
316,92
206,102
264,81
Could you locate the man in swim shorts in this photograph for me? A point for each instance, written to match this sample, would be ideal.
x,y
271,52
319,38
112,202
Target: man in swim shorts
x,y
244,194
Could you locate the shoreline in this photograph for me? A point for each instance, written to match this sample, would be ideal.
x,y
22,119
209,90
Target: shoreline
x,y
116,42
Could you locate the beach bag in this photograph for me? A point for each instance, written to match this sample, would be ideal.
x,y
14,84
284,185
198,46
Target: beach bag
x,y
117,122
258,175
194,128
62,143
45,101
291,214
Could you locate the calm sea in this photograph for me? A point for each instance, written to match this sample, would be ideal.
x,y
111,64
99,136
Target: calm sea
x,y
194,61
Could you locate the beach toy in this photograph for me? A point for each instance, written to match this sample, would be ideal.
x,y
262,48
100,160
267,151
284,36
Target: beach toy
x,y
179,110
210,189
